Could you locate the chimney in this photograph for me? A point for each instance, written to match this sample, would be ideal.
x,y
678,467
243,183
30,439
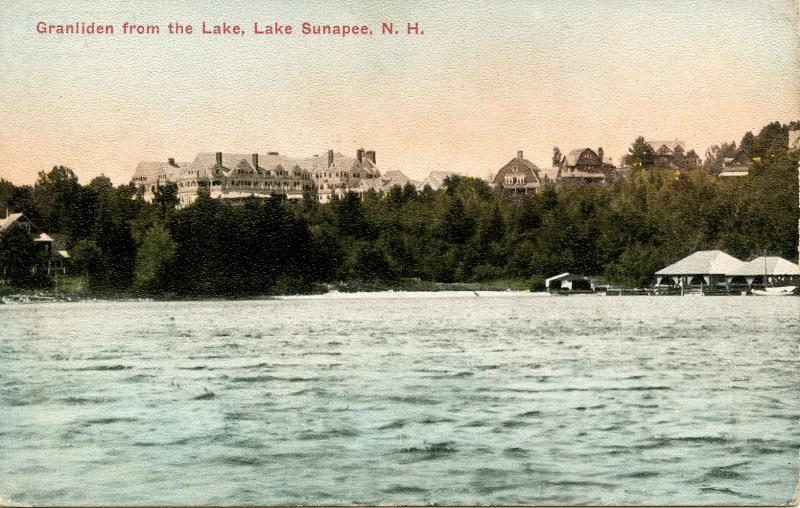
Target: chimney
x,y
255,161
360,155
519,154
371,156
330,158
600,155
171,162
219,158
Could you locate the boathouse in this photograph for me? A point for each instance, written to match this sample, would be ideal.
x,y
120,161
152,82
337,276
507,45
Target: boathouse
x,y
705,268
568,282
765,270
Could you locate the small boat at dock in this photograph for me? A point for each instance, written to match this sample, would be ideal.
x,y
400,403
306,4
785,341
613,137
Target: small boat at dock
x,y
776,291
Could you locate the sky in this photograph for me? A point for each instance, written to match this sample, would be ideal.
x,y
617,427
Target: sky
x,y
486,79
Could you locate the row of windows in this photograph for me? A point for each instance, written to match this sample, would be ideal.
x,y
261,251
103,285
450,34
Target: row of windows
x,y
278,172
338,174
194,183
333,186
255,183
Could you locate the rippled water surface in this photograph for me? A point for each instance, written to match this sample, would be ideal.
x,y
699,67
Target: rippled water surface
x,y
415,398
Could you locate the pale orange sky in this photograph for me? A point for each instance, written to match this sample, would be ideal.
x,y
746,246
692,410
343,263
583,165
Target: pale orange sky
x,y
486,79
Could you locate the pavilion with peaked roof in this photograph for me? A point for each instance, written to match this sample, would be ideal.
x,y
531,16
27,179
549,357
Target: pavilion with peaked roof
x,y
766,270
705,267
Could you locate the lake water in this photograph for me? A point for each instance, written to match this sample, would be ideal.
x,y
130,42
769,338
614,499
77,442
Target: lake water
x,y
402,398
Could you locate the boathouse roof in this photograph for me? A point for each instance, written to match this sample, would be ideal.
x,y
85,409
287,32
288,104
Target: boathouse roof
x,y
704,262
566,276
766,265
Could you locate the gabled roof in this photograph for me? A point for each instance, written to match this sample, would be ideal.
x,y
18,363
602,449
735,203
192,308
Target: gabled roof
x,y
395,176
149,170
551,174
671,145
436,179
572,156
9,221
56,240
704,262
524,162
387,180
769,265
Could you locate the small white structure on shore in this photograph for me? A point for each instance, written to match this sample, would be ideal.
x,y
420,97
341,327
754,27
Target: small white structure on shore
x,y
770,269
568,282
705,267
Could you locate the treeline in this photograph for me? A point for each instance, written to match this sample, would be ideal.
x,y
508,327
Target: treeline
x,y
464,232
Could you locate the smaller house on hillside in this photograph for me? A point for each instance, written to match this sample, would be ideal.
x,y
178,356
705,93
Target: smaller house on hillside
x,y
550,176
52,251
52,254
435,179
385,182
701,270
734,167
794,139
519,176
674,154
584,166
15,218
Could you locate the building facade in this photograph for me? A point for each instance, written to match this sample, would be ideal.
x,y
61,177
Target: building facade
x,y
518,176
674,154
584,166
236,176
51,252
581,166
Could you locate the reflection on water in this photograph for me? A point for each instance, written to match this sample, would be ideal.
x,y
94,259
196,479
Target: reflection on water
x,y
452,399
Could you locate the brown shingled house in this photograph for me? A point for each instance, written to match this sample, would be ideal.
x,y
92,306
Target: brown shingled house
x,y
584,166
674,154
519,175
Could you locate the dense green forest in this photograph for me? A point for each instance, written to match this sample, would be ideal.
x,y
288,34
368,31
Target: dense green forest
x,y
464,232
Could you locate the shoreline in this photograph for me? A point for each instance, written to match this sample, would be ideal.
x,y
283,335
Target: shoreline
x,y
9,295
439,291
